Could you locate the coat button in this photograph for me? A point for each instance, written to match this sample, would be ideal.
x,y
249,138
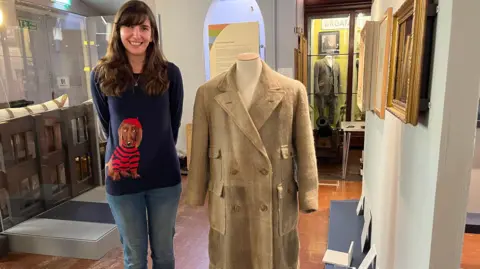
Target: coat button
x,y
264,171
236,208
264,208
234,171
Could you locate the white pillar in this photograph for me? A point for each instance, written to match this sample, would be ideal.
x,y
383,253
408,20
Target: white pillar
x,y
458,129
417,178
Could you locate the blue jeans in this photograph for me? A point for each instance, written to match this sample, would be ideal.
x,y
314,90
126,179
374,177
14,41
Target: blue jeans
x,y
143,216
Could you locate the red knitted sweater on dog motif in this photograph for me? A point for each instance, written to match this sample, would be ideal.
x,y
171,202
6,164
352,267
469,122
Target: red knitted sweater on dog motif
x,y
125,159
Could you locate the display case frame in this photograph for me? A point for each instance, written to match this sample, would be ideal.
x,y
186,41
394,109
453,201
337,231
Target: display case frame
x,y
411,60
382,63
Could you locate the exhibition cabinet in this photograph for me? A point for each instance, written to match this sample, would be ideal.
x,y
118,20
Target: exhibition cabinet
x,y
45,160
333,31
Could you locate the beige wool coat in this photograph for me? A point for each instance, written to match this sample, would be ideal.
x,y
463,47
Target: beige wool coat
x,y
258,168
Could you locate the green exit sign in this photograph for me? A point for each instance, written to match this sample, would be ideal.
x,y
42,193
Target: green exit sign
x,y
63,2
26,24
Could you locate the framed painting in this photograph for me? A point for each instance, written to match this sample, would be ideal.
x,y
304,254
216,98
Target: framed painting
x,y
412,37
329,42
382,63
366,65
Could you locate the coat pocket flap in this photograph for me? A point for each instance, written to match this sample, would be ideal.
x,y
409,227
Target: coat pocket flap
x,y
216,187
214,153
280,191
285,153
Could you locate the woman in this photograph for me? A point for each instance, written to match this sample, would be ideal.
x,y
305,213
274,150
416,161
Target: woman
x,y
138,96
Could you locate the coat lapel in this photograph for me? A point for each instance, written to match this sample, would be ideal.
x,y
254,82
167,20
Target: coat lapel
x,y
264,105
231,102
267,97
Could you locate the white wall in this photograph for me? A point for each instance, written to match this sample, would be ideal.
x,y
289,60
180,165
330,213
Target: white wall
x,y
182,35
300,13
416,178
286,38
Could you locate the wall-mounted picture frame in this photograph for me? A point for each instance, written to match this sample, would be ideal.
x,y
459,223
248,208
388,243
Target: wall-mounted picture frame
x,y
367,65
329,42
382,63
411,52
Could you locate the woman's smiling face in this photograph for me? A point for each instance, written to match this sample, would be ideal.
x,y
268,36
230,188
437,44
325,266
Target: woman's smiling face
x,y
136,38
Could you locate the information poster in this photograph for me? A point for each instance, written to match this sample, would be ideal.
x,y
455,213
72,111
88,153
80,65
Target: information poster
x,y
226,41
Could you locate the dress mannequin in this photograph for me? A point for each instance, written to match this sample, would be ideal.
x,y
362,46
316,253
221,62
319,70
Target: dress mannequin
x,y
326,87
257,165
329,60
249,69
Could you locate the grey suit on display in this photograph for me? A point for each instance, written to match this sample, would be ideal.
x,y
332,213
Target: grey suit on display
x,y
326,87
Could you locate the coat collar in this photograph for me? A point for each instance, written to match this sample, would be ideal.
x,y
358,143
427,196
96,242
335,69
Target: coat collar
x,y
268,79
269,94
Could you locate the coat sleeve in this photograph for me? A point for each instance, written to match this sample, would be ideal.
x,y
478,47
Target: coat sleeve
x,y
197,184
176,101
319,83
307,173
316,87
100,103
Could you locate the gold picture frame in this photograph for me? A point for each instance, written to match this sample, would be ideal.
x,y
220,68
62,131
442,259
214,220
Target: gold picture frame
x,y
366,65
409,54
382,63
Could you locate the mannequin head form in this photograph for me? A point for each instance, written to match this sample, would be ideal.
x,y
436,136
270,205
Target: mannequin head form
x,y
249,63
247,56
249,68
329,58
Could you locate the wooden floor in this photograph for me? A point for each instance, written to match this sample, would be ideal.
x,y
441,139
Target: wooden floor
x,y
191,240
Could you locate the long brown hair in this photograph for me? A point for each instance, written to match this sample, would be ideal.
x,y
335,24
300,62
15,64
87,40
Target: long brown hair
x,y
114,71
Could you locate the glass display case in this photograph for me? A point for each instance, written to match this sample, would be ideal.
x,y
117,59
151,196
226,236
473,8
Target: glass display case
x,y
333,54
42,57
47,158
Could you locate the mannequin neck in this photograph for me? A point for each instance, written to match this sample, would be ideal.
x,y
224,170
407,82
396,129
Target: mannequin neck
x,y
329,60
247,77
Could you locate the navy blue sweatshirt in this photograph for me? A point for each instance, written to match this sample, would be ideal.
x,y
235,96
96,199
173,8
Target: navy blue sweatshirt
x,y
142,132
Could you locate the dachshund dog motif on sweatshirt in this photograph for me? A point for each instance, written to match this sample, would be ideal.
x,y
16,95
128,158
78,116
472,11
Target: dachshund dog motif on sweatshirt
x,y
126,157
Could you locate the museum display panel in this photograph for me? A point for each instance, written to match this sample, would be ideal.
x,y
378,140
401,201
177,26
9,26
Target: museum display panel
x,y
224,37
410,56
